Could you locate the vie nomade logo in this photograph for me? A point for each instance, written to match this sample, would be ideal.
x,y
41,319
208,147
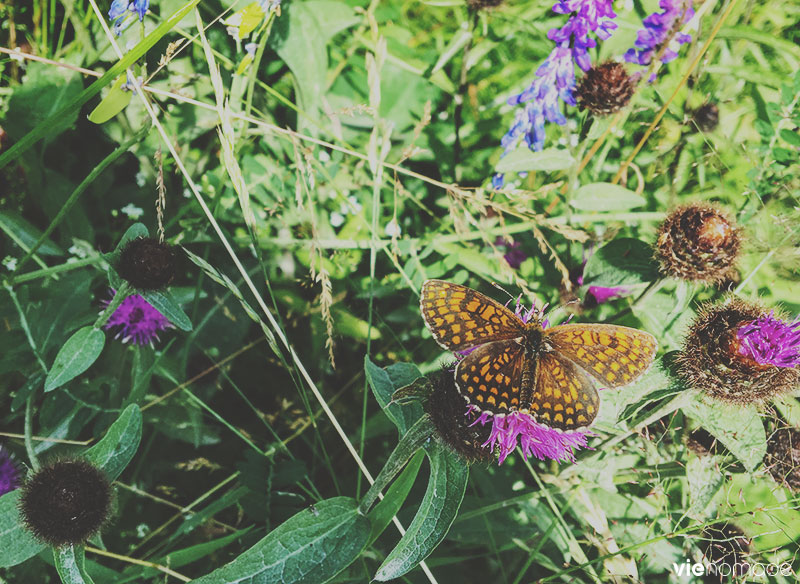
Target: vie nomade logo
x,y
737,569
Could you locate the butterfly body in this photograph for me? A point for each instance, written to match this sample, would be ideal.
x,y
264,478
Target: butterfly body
x,y
515,366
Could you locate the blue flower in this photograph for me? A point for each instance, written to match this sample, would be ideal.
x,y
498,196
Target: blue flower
x,y
555,78
121,9
659,29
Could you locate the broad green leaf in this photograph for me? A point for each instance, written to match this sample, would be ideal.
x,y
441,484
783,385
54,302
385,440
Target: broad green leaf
x,y
69,562
113,103
525,160
311,547
166,305
351,326
300,37
791,137
621,262
16,543
436,513
760,508
27,235
738,427
381,515
605,197
384,382
119,445
75,356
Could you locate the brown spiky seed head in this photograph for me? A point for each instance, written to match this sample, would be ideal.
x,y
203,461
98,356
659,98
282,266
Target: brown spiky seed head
x,y
65,502
147,263
447,409
706,117
699,243
726,544
710,359
783,457
605,89
483,4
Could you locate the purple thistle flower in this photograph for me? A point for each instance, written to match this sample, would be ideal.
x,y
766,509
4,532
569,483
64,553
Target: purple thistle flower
x,y
659,29
137,321
9,473
534,439
771,341
121,9
555,78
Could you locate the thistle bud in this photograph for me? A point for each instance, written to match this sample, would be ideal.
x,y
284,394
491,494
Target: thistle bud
x,y
706,117
147,264
448,411
65,502
605,89
699,243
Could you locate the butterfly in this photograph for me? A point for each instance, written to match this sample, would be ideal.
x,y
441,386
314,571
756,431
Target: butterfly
x,y
549,373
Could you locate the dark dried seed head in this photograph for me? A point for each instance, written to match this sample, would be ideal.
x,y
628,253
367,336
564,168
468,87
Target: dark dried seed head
x,y
605,89
147,264
783,457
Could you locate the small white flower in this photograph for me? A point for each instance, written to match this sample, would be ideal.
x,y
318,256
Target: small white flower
x,y
393,229
355,204
10,263
337,219
324,156
141,179
132,211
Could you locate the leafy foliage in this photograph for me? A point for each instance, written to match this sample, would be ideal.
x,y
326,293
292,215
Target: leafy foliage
x,y
316,161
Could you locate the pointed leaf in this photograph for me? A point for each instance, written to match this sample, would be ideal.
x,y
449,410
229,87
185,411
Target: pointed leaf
x,y
381,515
113,103
436,513
525,160
16,543
119,445
76,356
384,382
311,547
70,565
605,197
169,307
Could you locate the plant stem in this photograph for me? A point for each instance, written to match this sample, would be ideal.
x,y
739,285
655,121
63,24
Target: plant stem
x,y
124,291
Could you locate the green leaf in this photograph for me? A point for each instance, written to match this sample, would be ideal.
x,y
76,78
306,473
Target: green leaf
x,y
16,543
70,565
605,197
525,159
381,515
26,234
705,479
300,37
791,137
384,382
113,103
312,547
75,356
436,513
166,305
119,445
622,262
738,427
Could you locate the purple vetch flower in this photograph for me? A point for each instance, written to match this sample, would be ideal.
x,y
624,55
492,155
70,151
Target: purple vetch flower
x,y
601,294
771,341
136,320
534,439
9,473
555,78
660,28
121,9
514,254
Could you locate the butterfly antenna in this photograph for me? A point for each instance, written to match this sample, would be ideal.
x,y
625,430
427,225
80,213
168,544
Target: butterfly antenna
x,y
499,287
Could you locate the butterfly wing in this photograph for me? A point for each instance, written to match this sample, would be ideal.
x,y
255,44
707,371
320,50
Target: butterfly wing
x,y
614,355
461,318
491,377
564,397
